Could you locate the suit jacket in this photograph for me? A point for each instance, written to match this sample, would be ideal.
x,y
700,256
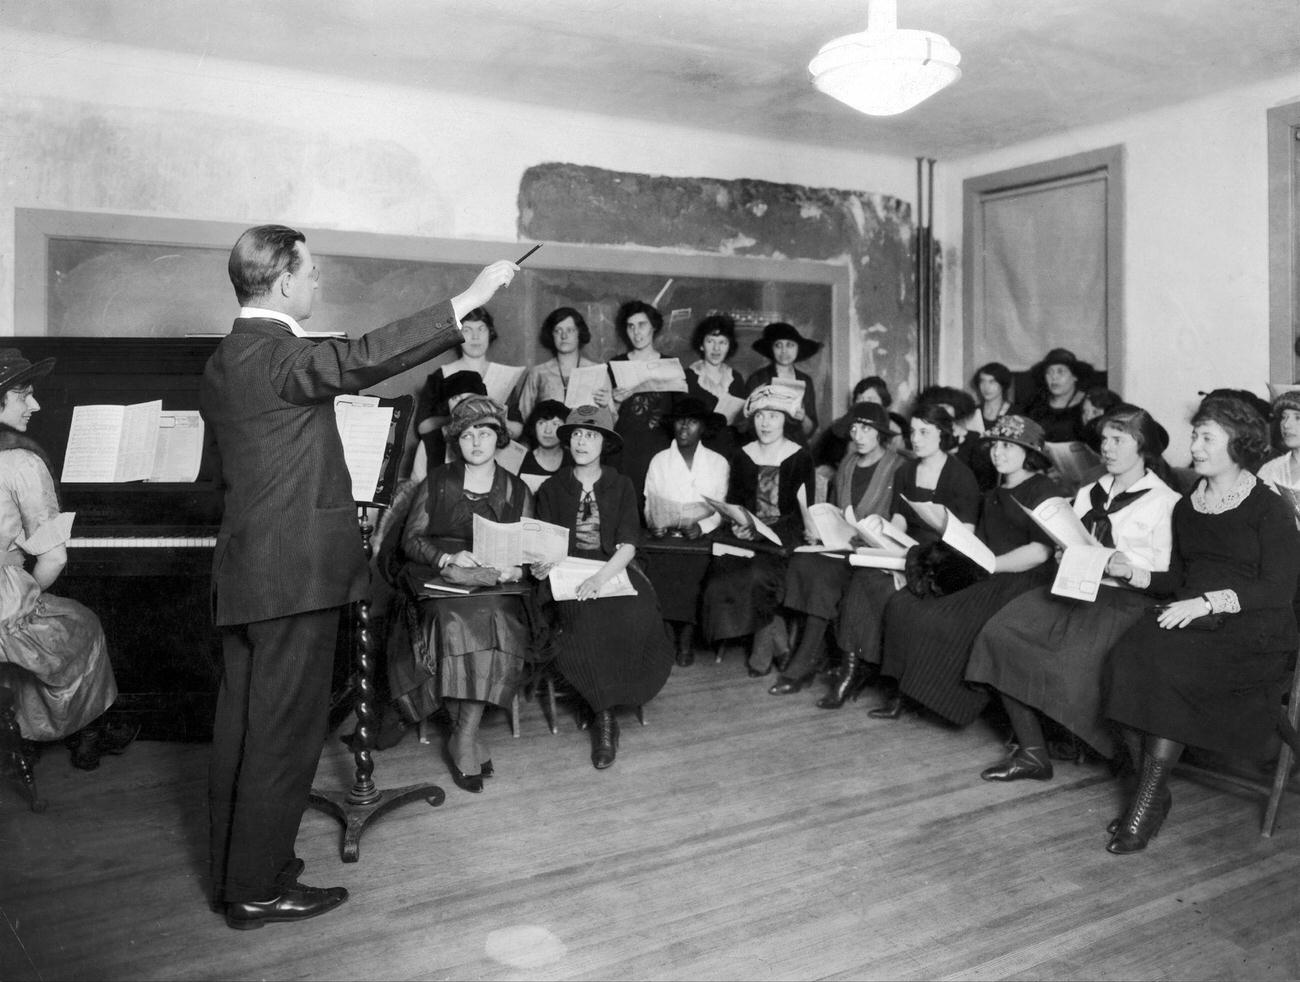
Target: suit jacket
x,y
289,540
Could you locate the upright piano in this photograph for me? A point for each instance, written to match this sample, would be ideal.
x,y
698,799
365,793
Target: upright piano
x,y
141,553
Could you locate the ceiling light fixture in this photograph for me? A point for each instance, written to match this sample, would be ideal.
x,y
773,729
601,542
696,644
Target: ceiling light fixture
x,y
883,71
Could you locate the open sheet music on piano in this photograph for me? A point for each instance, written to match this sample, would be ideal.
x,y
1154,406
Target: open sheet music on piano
x,y
143,442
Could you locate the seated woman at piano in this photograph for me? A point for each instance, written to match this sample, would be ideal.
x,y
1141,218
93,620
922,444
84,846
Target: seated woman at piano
x,y
66,684
473,645
612,649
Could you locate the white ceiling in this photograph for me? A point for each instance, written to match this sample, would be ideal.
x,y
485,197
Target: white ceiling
x,y
1031,67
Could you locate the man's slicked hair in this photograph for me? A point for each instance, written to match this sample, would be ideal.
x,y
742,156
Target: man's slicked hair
x,y
260,256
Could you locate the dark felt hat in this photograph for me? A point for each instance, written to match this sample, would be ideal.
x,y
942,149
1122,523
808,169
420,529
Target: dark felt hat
x,y
463,383
871,413
692,407
781,331
15,370
596,418
1022,431
1081,370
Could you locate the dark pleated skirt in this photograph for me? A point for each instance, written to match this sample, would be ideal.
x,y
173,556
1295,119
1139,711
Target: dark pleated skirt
x,y
1050,653
472,648
741,595
928,641
1218,690
815,584
614,651
862,613
678,579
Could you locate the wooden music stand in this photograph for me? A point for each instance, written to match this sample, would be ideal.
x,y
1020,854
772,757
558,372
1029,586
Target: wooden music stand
x,y
364,802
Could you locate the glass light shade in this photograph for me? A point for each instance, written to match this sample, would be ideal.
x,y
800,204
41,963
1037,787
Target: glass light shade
x,y
883,73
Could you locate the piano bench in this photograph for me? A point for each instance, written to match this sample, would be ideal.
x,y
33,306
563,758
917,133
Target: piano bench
x,y
17,755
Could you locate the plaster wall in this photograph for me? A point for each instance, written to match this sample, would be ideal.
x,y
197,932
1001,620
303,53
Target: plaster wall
x,y
1195,252
106,128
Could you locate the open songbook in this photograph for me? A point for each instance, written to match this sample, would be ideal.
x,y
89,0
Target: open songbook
x,y
659,375
826,525
501,380
143,442
886,545
1083,559
529,540
954,533
742,516
571,572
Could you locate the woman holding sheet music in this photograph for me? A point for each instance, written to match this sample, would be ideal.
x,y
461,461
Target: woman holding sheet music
x,y
711,379
564,332
1045,654
934,475
474,644
743,592
640,408
929,628
612,649
815,583
782,345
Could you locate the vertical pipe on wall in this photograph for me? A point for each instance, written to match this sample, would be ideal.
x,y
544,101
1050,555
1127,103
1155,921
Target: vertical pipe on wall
x,y
930,319
918,251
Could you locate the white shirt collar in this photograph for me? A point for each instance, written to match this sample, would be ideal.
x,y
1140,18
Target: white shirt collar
x,y
275,315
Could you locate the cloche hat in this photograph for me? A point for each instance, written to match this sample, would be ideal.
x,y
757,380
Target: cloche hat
x,y
596,418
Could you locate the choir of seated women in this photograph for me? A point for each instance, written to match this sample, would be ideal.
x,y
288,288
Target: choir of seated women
x,y
1208,668
743,592
472,647
611,649
678,484
815,583
1044,654
65,684
930,627
932,475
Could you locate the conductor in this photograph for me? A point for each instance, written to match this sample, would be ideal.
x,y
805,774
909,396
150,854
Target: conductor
x,y
289,556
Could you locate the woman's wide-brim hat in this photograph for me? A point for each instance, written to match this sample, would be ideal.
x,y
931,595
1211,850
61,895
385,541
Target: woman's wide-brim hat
x,y
781,331
1081,370
693,407
474,411
15,370
1022,431
596,418
871,413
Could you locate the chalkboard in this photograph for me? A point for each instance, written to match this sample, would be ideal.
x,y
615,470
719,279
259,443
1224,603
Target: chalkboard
x,y
95,275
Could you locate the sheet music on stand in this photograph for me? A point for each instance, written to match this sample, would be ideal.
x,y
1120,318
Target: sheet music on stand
x,y
374,444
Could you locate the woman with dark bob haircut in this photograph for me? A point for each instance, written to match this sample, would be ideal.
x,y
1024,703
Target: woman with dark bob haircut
x,y
712,381
1045,654
563,333
639,410
1209,667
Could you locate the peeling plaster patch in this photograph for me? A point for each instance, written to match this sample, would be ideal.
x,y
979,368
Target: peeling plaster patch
x,y
810,209
859,216
737,242
877,328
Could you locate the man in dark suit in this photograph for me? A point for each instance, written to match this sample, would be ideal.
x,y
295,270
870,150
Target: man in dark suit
x,y
289,555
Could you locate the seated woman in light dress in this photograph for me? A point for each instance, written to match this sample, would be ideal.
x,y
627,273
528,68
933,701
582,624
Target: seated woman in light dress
x,y
677,482
67,683
1043,653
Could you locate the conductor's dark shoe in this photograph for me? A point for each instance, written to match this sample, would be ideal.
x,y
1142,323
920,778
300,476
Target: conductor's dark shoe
x,y
295,903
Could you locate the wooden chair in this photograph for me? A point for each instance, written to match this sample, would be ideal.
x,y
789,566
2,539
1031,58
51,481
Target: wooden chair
x,y
1287,728
17,758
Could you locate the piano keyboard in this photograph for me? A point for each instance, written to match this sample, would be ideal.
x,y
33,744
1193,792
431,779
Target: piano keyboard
x,y
143,542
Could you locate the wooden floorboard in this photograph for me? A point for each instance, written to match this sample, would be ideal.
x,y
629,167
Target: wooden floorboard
x,y
738,836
